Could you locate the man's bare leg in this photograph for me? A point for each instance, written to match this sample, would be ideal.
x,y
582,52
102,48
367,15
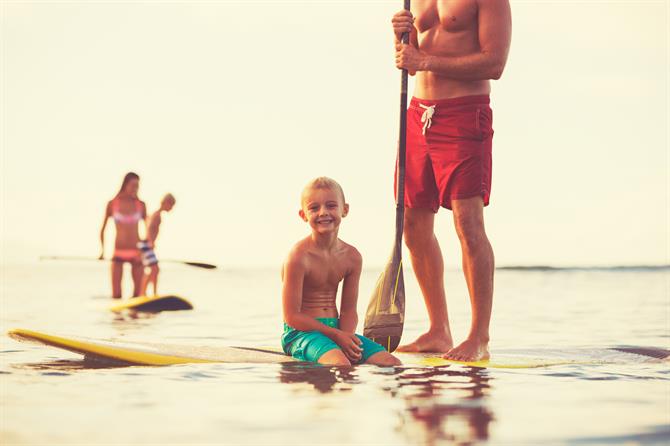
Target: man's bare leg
x,y
478,266
428,266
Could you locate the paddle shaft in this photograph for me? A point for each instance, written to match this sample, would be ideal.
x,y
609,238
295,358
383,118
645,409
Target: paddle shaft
x,y
402,151
195,264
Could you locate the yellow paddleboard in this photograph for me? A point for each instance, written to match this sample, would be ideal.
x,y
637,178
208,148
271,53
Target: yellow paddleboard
x,y
154,304
143,353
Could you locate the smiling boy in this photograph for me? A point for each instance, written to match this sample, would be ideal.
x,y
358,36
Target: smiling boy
x,y
313,329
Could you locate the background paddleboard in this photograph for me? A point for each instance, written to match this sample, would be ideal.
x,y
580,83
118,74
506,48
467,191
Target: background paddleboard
x,y
154,304
145,353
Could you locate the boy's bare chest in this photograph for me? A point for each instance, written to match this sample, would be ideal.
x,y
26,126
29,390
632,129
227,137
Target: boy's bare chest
x,y
447,15
322,274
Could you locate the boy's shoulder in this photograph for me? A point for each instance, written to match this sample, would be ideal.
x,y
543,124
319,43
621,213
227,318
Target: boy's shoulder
x,y
351,251
353,256
299,251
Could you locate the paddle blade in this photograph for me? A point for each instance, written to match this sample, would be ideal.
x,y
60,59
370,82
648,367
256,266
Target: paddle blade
x,y
201,265
385,316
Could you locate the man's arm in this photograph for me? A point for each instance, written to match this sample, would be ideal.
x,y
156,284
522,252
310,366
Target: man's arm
x,y
348,313
403,22
495,34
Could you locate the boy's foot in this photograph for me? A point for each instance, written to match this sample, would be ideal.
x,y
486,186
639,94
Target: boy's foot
x,y
469,350
429,342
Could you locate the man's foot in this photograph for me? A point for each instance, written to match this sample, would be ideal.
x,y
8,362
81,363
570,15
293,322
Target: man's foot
x,y
429,342
469,351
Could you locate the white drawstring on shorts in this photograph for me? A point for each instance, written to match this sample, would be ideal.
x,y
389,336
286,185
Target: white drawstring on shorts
x,y
427,116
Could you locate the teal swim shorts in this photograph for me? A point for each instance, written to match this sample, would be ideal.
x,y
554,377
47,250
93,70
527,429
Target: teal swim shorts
x,y
311,345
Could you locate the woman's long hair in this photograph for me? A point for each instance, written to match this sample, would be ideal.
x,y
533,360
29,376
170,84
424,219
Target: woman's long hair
x,y
129,177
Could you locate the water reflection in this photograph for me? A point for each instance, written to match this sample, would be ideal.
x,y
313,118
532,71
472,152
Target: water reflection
x,y
69,365
322,379
441,404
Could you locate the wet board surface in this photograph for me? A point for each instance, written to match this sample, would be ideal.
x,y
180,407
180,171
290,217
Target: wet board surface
x,y
154,304
145,353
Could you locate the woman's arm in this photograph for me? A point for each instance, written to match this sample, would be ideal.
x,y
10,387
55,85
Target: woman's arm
x,y
108,213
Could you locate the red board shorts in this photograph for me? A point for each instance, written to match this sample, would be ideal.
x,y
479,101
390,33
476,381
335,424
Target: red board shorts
x,y
448,151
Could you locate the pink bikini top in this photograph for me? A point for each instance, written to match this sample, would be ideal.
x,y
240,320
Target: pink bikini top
x,y
126,219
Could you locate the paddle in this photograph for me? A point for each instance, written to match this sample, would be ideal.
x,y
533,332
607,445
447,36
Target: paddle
x,y
195,264
386,311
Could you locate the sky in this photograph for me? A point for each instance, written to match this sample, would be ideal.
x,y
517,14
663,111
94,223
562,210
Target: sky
x,y
234,105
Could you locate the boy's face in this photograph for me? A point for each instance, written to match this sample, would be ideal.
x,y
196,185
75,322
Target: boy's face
x,y
168,205
323,209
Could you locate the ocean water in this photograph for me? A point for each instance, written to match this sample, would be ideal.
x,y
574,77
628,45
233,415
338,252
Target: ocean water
x,y
50,396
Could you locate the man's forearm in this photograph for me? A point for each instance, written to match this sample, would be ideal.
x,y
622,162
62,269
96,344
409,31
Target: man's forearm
x,y
473,67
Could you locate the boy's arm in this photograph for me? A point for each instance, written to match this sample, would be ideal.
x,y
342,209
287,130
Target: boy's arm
x,y
108,212
348,313
153,224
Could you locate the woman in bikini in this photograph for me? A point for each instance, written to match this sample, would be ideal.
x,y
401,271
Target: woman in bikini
x,y
127,211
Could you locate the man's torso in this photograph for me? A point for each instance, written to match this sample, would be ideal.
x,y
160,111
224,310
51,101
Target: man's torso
x,y
447,28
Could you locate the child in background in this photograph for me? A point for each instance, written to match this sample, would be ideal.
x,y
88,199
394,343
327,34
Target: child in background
x,y
147,246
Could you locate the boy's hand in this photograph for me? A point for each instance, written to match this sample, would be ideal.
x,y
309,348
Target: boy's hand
x,y
350,345
403,22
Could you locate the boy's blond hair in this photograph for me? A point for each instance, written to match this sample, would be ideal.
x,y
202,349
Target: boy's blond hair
x,y
168,198
322,183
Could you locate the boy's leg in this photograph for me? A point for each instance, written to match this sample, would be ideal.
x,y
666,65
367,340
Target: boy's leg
x,y
383,358
145,283
334,357
154,278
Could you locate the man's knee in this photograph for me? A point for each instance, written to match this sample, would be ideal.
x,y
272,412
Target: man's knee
x,y
470,230
418,231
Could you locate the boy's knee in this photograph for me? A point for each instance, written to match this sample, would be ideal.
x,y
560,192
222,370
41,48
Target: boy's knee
x,y
383,359
334,357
